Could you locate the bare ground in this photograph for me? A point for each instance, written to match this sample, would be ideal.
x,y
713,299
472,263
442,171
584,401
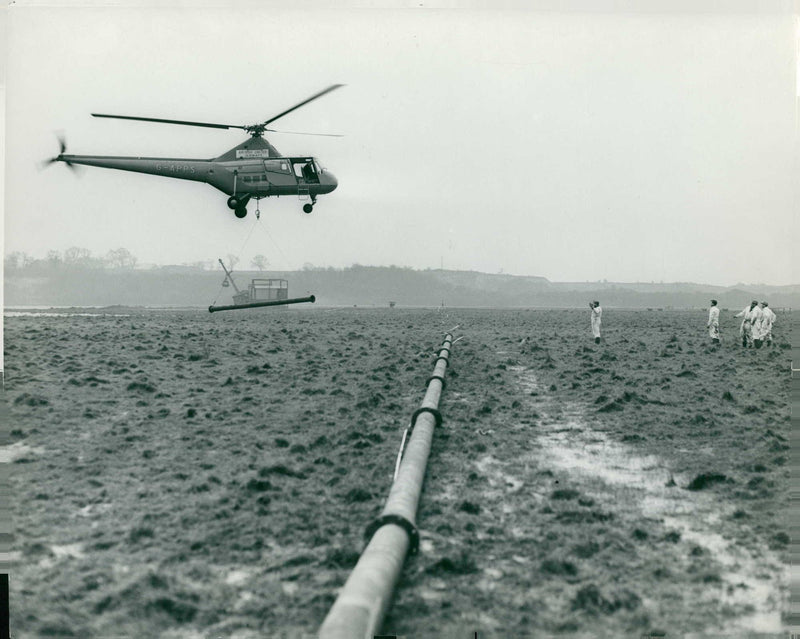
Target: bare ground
x,y
178,474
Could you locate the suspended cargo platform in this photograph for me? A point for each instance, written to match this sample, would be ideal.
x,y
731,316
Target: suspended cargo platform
x,y
263,291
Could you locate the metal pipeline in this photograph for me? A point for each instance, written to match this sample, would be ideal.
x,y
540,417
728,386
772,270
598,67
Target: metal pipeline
x,y
364,600
235,307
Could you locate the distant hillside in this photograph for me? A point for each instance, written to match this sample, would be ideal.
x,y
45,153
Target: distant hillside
x,y
364,286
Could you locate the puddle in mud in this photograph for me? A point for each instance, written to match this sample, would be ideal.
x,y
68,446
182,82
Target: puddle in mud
x,y
59,314
498,480
59,552
68,550
16,451
94,510
748,583
644,483
238,577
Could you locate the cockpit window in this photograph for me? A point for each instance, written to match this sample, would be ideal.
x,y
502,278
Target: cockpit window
x,y
277,166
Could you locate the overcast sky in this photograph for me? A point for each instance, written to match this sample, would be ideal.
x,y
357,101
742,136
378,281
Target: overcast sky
x,y
576,146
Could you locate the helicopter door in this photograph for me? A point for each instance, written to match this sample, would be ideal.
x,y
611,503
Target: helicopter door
x,y
279,173
305,171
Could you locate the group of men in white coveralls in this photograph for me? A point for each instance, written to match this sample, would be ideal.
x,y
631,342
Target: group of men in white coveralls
x,y
756,328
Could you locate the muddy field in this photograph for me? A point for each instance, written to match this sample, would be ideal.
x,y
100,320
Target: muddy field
x,y
187,475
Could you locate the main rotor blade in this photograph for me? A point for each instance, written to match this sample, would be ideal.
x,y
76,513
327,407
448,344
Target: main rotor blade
x,y
329,135
303,103
205,124
254,129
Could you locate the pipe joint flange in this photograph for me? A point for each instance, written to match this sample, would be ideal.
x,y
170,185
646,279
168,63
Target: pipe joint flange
x,y
444,348
436,415
439,377
398,520
445,358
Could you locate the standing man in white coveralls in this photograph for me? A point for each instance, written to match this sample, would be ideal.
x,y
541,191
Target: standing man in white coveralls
x,y
597,315
744,329
767,320
756,328
713,322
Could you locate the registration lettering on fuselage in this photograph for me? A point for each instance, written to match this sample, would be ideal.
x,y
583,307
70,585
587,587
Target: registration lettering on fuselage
x,y
246,154
175,168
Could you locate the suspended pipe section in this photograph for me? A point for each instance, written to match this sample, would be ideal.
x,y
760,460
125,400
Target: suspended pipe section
x,y
364,600
236,307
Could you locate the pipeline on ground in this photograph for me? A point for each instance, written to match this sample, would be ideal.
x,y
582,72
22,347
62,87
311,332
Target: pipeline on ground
x,y
366,595
236,307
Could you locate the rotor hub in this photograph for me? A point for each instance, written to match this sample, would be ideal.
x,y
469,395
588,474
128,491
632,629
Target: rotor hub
x,y
256,130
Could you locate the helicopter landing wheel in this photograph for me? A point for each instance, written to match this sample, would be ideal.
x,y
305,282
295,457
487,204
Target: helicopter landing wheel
x,y
307,208
233,202
240,212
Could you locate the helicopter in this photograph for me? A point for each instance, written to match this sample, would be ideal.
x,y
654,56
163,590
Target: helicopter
x,y
252,170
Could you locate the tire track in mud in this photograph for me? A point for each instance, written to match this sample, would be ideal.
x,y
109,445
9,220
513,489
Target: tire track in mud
x,y
751,591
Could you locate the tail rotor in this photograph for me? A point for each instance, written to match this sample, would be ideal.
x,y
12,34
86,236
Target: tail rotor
x,y
60,157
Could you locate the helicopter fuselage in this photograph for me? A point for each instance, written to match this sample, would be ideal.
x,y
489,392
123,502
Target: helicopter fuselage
x,y
254,169
260,178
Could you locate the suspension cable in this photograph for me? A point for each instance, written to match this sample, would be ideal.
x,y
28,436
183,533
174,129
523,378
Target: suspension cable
x,y
246,240
276,245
